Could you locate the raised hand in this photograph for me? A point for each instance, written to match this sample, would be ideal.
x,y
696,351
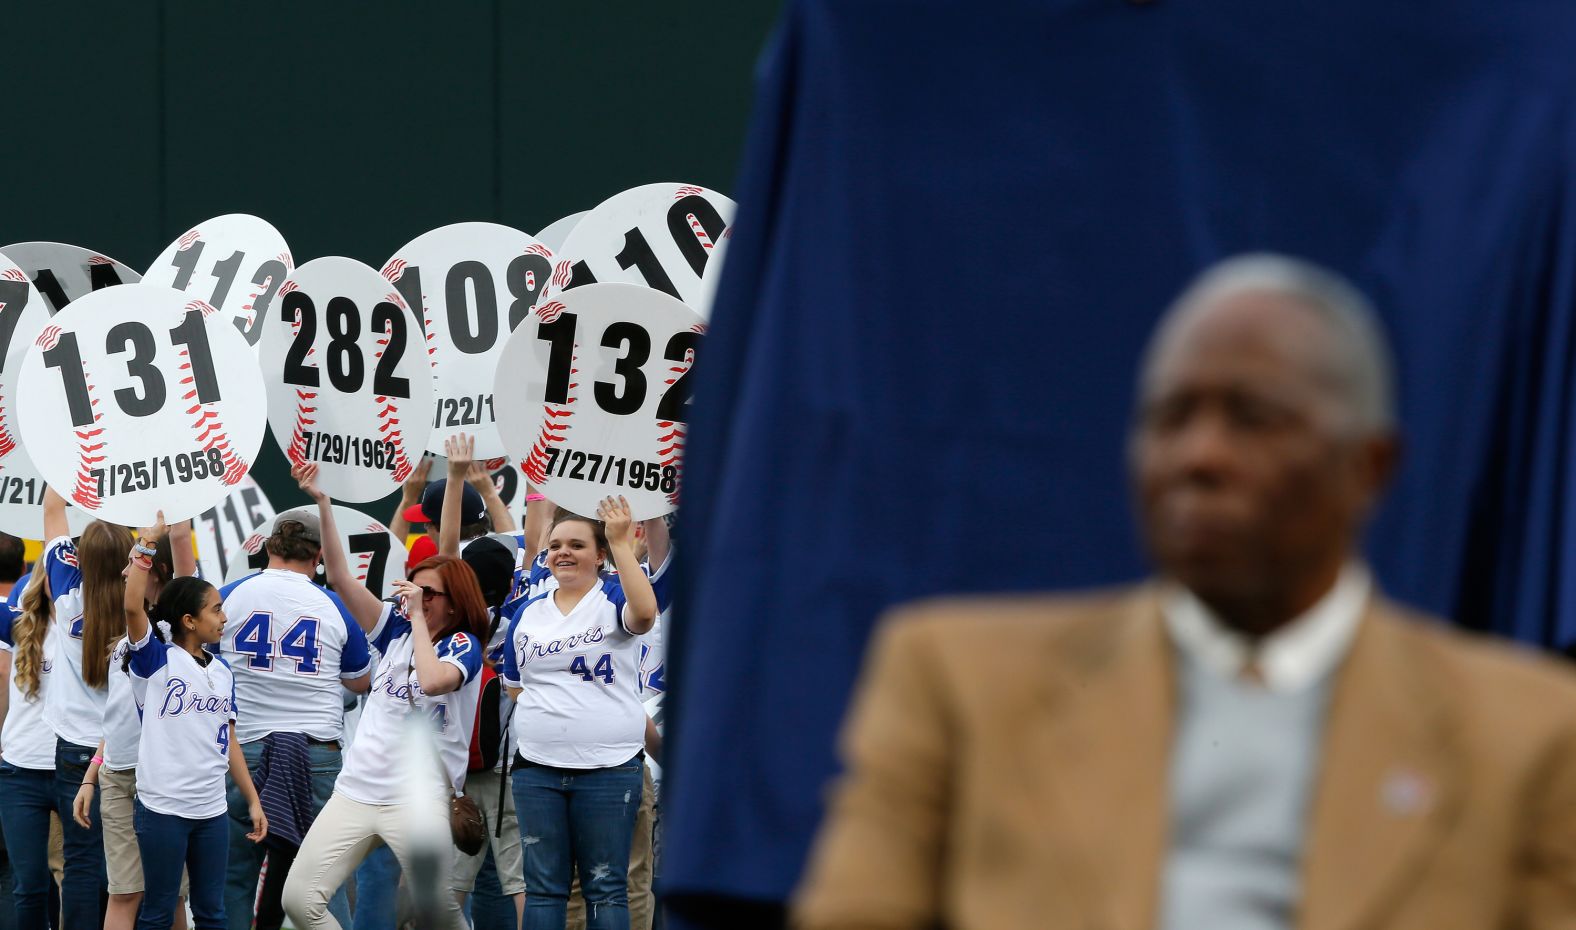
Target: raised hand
x,y
156,532
616,519
306,478
461,451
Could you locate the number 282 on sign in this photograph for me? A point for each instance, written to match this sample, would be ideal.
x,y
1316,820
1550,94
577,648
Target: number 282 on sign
x,y
183,468
602,469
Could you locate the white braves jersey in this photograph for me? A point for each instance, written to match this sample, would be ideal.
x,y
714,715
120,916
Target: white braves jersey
x,y
187,707
289,643
122,715
580,678
374,762
74,710
26,741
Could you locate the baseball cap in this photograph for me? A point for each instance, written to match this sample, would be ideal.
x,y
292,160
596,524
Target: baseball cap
x,y
472,508
492,559
312,527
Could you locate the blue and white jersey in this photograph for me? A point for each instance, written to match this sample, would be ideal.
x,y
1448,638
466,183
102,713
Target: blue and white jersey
x,y
75,710
375,761
26,741
187,705
580,673
290,643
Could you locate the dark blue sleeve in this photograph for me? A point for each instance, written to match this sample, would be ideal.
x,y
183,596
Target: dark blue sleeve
x,y
60,566
356,658
395,625
148,655
463,650
7,614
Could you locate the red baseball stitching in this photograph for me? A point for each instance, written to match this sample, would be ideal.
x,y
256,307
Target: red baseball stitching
x,y
306,410
15,274
100,260
562,272
364,560
388,412
90,448
394,269
673,453
698,230
201,306
253,543
536,248
185,242
207,424
554,416
683,192
7,444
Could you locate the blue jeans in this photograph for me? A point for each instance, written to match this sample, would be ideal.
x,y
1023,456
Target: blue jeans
x,y
487,907
246,857
84,893
377,890
169,843
28,797
577,818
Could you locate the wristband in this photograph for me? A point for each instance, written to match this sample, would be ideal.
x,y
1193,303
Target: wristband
x,y
532,498
144,548
98,760
141,563
90,784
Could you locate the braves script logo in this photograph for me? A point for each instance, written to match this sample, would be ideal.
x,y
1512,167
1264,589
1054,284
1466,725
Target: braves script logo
x,y
555,417
206,422
541,650
388,409
178,701
187,241
673,452
90,448
306,407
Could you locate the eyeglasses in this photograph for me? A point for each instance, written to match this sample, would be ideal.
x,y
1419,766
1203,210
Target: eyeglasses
x,y
428,594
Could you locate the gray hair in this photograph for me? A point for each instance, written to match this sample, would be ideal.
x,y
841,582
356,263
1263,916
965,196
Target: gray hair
x,y
1359,358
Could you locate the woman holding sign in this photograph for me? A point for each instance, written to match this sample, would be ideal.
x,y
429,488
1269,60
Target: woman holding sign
x,y
188,744
431,641
575,653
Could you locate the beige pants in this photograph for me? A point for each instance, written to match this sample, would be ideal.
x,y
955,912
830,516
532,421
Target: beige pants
x,y
122,855
341,836
642,903
482,787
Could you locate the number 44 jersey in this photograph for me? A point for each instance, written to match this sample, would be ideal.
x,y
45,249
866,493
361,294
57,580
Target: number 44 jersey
x,y
290,643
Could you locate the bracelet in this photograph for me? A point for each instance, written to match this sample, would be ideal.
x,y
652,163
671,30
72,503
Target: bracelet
x,y
90,784
143,547
532,498
141,563
98,760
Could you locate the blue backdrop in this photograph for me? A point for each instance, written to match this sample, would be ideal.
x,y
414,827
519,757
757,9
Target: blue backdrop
x,y
958,222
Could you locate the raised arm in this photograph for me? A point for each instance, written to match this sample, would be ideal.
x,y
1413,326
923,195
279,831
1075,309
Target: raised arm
x,y
362,604
658,542
410,496
55,525
134,603
497,511
640,601
538,520
433,674
182,554
458,448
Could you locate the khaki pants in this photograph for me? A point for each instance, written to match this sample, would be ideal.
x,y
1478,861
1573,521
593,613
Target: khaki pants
x,y
642,903
482,787
122,855
341,836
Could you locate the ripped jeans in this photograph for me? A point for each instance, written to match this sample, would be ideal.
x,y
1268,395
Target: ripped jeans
x,y
573,818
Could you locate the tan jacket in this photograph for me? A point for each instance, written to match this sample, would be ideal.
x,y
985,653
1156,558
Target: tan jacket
x,y
1007,767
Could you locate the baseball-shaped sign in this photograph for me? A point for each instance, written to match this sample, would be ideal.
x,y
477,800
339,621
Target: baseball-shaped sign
x,y
664,236
235,263
553,234
23,313
222,528
349,387
472,283
376,555
133,401
62,273
598,388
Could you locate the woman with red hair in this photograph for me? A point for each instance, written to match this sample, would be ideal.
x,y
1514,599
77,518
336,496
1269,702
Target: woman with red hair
x,y
431,638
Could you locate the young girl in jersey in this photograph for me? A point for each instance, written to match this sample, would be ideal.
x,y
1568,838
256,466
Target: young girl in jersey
x,y
27,753
82,590
187,696
114,782
581,728
431,643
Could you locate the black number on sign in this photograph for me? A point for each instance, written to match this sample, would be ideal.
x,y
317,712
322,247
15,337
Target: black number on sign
x,y
579,460
225,271
633,393
387,318
139,340
527,275
13,300
711,222
49,286
297,308
272,273
674,404
637,254
102,276
580,273
185,263
378,545
560,334
485,335
507,481
346,369
409,287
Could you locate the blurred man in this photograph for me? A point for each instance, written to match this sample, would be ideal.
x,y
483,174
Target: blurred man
x,y
1255,740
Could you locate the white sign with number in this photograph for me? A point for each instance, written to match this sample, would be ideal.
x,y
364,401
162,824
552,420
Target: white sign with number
x,y
235,263
553,234
222,528
349,386
132,402
472,283
22,314
62,273
376,555
600,390
664,236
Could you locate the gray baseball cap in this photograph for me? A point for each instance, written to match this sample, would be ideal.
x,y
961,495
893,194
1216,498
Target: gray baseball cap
x,y
312,527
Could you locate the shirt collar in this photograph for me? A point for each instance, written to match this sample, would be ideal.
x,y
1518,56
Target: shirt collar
x,y
1294,657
